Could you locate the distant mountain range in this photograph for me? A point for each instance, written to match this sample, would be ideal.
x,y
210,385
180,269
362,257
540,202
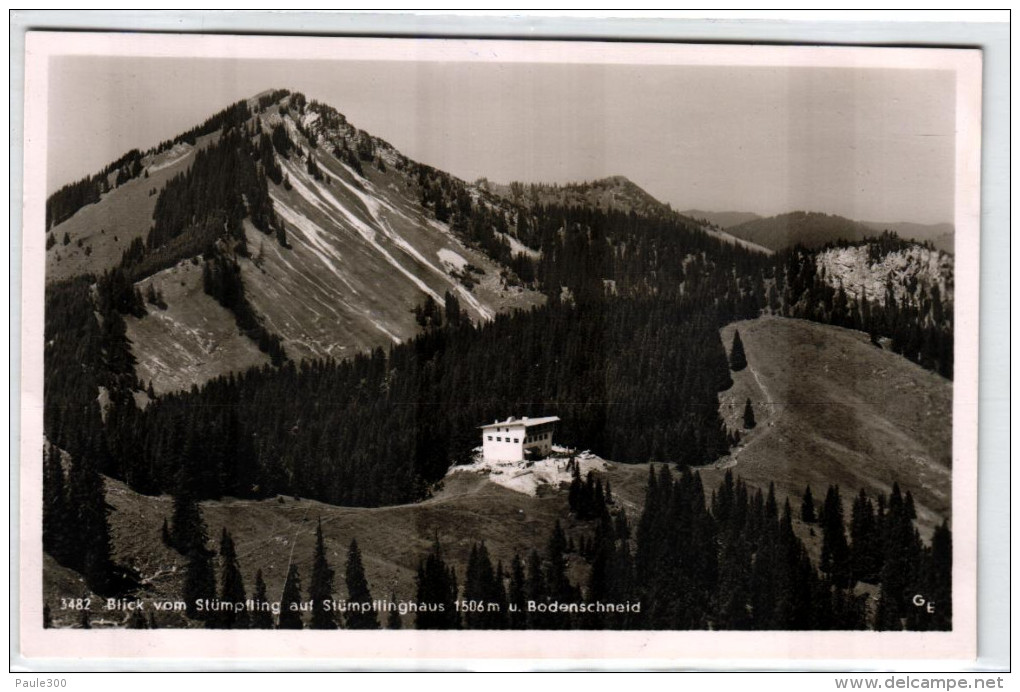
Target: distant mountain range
x,y
814,229
722,219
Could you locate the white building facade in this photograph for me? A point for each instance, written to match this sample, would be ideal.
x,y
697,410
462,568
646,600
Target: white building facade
x,y
514,438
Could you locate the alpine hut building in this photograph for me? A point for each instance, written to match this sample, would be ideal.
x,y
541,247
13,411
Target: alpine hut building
x,y
517,438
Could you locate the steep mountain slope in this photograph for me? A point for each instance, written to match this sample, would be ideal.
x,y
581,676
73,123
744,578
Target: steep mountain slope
x,y
356,250
98,234
367,256
908,271
810,229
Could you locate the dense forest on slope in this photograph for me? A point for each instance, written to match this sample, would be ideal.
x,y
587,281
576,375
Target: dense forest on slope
x,y
581,251
634,379
915,316
63,203
806,229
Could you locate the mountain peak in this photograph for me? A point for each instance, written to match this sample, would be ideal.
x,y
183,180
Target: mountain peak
x,y
616,192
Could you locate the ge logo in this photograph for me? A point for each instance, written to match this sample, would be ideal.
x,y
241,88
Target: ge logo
x,y
921,602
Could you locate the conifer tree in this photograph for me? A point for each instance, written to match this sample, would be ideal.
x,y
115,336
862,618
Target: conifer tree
x,y
231,586
900,563
738,359
56,513
47,618
749,421
517,597
576,488
290,611
556,572
500,619
87,495
865,542
481,589
536,589
358,591
136,621
187,530
941,577
887,616
610,578
908,506
735,581
835,560
262,616
320,590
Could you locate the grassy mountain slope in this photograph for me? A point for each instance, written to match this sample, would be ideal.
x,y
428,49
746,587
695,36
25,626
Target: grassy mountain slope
x,y
832,408
99,233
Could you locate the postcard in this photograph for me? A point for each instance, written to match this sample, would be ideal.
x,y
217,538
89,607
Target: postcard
x,y
497,349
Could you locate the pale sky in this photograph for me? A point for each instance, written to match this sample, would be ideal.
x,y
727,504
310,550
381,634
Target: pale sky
x,y
863,143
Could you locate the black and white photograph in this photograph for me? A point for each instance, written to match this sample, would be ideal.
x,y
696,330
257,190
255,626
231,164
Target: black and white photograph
x,y
674,343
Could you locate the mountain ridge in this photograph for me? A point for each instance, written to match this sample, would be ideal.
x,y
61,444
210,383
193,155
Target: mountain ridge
x,y
355,253
940,235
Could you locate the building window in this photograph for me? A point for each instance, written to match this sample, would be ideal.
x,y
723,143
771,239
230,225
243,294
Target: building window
x,y
490,438
516,440
499,439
